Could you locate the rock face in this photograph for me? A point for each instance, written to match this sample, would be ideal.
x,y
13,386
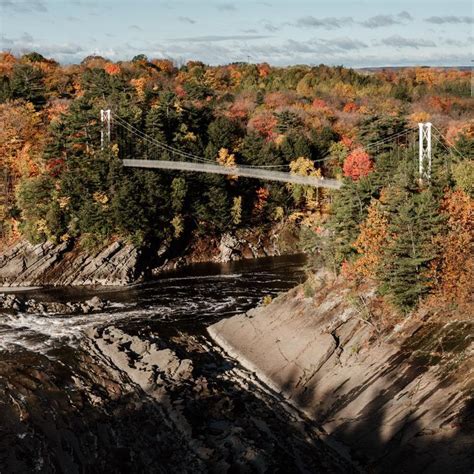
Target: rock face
x,y
48,264
245,243
388,397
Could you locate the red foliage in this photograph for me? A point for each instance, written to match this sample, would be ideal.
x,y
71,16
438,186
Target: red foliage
x,y
319,104
241,108
357,164
180,92
264,124
277,99
55,167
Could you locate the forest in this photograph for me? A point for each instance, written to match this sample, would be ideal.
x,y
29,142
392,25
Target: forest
x,y
413,237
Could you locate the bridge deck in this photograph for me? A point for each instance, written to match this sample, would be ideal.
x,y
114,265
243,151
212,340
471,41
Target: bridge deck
x,y
244,171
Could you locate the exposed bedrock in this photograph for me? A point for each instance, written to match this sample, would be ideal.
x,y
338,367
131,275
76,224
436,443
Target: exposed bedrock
x,y
402,402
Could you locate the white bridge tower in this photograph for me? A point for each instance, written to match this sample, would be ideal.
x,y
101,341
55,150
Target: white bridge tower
x,y
424,150
105,119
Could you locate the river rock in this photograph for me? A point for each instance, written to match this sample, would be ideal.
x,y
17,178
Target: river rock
x,y
15,303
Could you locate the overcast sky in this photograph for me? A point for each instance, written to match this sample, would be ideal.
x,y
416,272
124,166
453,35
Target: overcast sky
x,y
352,33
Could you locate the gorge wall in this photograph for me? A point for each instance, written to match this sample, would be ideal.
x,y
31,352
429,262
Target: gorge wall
x,y
119,263
400,400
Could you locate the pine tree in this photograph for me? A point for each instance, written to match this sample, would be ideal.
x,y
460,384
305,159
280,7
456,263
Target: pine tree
x,y
404,274
348,210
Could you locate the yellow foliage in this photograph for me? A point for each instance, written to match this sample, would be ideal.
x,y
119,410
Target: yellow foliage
x,y
139,86
278,213
310,195
236,210
101,198
63,202
178,225
224,158
417,117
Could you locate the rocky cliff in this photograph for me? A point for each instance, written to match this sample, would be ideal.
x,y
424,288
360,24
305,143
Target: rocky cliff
x,y
47,264
401,399
120,264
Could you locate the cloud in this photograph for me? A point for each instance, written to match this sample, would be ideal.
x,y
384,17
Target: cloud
x,y
134,28
346,44
217,38
270,27
379,21
26,43
441,20
27,38
398,41
186,19
26,6
328,23
226,7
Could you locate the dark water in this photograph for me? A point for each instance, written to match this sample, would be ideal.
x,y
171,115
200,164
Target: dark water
x,y
188,299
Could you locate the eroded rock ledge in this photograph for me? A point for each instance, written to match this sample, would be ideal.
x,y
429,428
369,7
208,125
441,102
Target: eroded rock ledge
x,y
47,264
390,397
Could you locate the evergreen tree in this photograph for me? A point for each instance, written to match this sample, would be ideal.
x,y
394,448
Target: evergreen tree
x,y
348,210
404,271
27,83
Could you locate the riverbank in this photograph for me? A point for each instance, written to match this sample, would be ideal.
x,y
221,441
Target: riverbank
x,y
119,263
400,397
139,387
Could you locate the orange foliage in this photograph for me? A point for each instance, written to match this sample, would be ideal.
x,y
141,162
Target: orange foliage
x,y
20,138
165,65
262,198
357,165
56,109
350,107
454,269
7,61
456,129
347,141
112,69
418,117
440,104
277,99
139,86
371,241
264,69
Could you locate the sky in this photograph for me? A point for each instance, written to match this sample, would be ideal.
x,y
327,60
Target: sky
x,y
364,33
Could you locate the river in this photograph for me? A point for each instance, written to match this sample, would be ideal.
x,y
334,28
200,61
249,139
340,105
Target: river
x,y
140,387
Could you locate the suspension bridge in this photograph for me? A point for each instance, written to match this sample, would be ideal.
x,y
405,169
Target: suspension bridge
x,y
200,164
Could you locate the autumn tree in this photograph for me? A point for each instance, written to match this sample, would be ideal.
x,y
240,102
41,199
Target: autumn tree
x,y
357,164
453,269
